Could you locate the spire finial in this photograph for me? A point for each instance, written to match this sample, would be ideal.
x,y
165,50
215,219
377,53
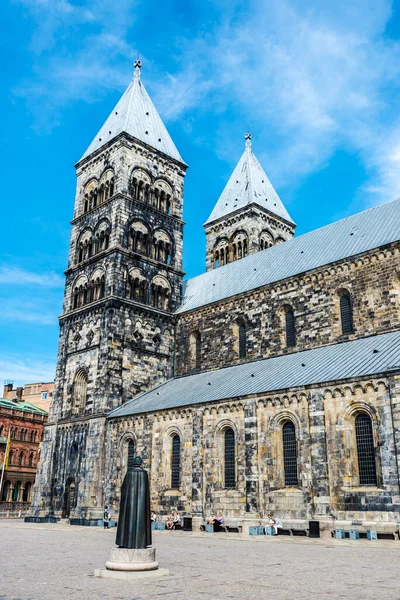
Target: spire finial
x,y
247,137
137,64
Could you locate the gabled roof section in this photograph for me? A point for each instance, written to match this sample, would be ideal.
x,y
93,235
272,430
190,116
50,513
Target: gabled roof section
x,y
353,235
358,358
247,185
136,115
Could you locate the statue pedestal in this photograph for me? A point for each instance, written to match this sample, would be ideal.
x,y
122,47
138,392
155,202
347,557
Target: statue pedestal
x,y
126,563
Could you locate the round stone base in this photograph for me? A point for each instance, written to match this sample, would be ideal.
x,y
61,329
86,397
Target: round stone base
x,y
127,559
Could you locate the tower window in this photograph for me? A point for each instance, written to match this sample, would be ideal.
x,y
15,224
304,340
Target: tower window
x,y
131,453
229,459
346,314
79,391
290,454
242,341
176,462
290,328
365,450
198,351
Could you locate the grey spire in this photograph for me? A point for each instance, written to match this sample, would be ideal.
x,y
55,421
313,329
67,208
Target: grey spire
x,y
248,184
136,115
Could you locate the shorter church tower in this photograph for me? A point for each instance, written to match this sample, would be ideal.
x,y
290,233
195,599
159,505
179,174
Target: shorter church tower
x,y
249,215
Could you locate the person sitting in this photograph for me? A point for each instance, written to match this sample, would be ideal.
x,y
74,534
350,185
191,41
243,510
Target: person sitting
x,y
169,523
153,517
211,519
176,521
218,522
274,524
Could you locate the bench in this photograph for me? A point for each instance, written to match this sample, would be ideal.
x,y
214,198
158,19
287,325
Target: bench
x,y
226,527
381,534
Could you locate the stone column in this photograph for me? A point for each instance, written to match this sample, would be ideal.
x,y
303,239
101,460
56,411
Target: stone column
x,y
318,454
197,467
251,452
394,401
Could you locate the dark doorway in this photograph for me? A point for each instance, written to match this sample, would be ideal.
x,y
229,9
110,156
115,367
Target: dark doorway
x,y
69,499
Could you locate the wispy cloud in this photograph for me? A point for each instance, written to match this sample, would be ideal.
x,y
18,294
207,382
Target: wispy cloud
x,y
26,370
16,276
309,78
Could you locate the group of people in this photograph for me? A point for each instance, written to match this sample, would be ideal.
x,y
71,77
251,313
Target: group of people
x,y
174,520
216,521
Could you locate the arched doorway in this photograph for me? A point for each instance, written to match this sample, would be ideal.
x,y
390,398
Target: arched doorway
x,y
69,498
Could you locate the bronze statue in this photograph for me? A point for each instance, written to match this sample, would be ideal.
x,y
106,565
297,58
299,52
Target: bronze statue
x,y
134,522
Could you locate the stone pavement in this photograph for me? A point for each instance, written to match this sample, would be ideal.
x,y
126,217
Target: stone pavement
x,y
56,562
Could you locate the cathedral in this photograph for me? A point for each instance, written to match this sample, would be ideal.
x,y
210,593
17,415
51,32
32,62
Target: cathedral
x,y
269,383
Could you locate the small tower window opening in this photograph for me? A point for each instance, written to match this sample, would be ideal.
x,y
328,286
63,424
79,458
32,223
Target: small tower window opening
x,y
365,450
176,462
131,453
229,459
290,454
346,314
290,328
242,340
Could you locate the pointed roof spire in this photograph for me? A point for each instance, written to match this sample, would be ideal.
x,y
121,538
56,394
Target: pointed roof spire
x,y
247,185
136,115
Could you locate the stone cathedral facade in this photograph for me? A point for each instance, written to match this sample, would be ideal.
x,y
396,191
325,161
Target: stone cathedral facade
x,y
271,383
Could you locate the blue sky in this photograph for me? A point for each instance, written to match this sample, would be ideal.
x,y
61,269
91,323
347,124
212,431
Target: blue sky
x,y
316,82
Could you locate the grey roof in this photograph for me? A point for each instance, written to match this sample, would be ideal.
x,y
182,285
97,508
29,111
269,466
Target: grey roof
x,y
247,185
136,115
356,234
358,358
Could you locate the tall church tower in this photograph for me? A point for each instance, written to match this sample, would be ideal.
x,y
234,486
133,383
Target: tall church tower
x,y
249,215
123,283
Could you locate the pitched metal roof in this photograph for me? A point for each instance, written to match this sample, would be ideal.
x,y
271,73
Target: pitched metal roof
x,y
356,234
247,185
136,115
358,358
24,406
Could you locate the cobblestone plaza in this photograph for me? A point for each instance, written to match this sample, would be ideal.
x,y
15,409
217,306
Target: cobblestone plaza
x,y
56,562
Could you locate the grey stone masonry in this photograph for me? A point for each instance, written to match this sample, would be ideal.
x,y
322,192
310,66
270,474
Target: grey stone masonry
x,y
123,284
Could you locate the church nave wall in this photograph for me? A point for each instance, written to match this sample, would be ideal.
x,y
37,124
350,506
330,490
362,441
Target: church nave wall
x,y
371,282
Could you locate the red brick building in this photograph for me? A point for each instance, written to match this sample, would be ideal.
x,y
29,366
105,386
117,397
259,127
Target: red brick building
x,y
25,422
39,394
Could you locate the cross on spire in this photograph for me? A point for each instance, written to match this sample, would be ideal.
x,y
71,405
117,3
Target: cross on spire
x,y
137,64
247,137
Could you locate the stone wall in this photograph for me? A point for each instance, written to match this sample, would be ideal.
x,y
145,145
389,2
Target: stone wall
x,y
372,281
328,486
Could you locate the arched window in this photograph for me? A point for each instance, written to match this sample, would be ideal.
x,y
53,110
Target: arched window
x,y
31,459
290,454
229,459
21,459
79,391
365,450
131,453
242,341
176,462
16,491
290,328
346,313
1,430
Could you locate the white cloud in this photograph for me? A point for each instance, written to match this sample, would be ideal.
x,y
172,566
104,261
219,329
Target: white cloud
x,y
27,370
15,276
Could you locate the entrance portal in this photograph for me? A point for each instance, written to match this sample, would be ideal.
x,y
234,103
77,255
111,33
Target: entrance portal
x,y
69,498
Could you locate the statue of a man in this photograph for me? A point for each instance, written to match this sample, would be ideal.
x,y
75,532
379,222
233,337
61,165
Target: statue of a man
x,y
134,522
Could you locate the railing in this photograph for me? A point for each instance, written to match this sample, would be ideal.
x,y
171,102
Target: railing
x,y
13,510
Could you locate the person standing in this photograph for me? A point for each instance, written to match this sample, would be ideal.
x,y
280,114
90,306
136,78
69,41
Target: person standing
x,y
106,517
